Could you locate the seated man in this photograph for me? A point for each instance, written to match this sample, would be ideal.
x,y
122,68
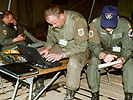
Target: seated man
x,y
8,33
110,40
67,38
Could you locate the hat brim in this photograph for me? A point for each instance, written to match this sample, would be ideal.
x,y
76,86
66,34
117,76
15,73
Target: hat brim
x,y
109,23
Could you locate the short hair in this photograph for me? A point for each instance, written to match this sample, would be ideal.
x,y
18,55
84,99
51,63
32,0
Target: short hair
x,y
6,14
54,10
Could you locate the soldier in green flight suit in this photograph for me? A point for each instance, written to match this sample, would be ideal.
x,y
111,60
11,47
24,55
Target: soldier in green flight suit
x,y
8,35
109,40
68,32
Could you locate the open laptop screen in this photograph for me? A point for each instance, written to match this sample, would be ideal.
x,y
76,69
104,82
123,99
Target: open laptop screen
x,y
32,55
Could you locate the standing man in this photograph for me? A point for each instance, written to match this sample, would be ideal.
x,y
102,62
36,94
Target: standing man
x,y
8,32
67,38
109,41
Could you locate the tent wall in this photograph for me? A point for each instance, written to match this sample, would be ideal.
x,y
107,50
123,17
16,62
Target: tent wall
x,y
29,13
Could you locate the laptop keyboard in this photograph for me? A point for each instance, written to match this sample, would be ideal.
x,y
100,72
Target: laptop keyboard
x,y
47,64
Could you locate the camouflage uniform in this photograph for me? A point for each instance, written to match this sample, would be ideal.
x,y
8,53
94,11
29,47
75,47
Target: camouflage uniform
x,y
117,43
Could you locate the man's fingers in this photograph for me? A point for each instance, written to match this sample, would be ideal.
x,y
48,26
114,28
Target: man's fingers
x,y
117,66
50,59
114,56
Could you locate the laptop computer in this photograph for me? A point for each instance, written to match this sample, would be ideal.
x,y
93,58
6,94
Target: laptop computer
x,y
19,69
33,57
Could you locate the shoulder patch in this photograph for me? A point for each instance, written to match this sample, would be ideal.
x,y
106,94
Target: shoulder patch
x,y
5,32
91,33
130,33
81,32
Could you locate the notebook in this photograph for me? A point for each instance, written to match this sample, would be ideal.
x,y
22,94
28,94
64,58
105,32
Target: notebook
x,y
33,56
19,69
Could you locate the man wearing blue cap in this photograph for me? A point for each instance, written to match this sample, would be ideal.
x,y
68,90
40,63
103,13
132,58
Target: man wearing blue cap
x,y
109,40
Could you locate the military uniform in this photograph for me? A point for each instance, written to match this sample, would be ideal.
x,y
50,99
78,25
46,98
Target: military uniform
x,y
72,39
6,36
116,42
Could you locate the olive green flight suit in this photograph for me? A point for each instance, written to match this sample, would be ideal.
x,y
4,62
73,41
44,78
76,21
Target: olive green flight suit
x,y
72,40
6,36
117,43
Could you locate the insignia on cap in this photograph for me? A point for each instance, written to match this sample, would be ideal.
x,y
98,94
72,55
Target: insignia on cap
x,y
91,33
81,32
5,32
108,15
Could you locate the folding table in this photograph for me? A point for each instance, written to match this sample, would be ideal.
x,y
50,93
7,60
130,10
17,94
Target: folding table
x,y
29,79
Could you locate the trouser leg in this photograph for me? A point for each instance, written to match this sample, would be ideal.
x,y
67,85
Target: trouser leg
x,y
128,96
74,68
93,75
128,79
128,76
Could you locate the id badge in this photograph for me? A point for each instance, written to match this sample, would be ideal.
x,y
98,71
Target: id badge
x,y
116,49
63,42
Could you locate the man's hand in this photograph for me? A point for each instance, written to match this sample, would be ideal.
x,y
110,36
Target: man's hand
x,y
14,21
121,64
107,57
45,51
20,37
53,57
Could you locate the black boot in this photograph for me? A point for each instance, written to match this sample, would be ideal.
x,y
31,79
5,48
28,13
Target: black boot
x,y
128,96
70,95
95,96
39,85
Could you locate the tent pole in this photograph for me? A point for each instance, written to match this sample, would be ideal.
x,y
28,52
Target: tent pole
x,y
9,5
91,11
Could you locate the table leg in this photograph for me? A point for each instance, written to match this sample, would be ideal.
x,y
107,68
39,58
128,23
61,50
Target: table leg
x,y
2,85
15,90
30,81
31,88
50,82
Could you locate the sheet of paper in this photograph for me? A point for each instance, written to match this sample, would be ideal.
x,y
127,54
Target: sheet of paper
x,y
108,64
